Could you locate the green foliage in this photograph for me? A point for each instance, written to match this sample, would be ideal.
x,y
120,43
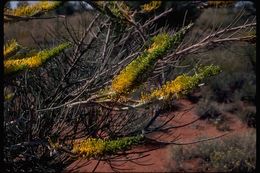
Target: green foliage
x,y
247,115
207,109
229,87
151,6
220,3
15,65
11,48
183,84
92,147
32,10
136,72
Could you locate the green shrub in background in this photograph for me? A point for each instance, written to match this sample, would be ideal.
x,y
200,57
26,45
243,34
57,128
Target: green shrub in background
x,y
207,110
228,87
232,154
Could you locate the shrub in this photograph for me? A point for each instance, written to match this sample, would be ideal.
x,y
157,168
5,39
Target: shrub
x,y
228,87
236,154
207,110
248,115
92,147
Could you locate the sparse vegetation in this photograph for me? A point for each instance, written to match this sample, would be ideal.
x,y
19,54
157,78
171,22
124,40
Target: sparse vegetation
x,y
207,109
232,154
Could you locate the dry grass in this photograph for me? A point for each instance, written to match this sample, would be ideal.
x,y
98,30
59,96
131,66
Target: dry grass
x,y
27,32
235,153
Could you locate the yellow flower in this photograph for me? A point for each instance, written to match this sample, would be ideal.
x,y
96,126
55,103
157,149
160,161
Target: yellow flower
x,y
93,147
220,3
14,65
138,70
181,85
11,48
34,9
133,73
151,6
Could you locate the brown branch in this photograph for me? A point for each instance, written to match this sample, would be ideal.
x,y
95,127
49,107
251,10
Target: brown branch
x,y
12,18
157,17
188,143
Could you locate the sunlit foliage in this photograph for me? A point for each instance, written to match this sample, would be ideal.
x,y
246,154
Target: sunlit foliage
x,y
92,147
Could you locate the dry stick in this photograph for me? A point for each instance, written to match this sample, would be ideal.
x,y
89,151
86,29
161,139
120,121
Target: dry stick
x,y
193,142
192,48
12,18
157,17
183,125
75,39
105,59
74,54
93,78
96,165
205,41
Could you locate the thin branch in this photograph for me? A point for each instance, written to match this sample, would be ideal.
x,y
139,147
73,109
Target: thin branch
x,y
193,142
11,18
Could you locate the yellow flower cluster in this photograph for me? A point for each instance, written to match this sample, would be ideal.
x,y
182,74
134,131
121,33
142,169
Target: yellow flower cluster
x,y
34,9
128,77
14,65
11,48
93,147
151,6
220,3
119,9
8,94
181,85
136,72
89,148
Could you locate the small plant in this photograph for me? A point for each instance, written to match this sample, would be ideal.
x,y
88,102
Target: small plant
x,y
137,71
248,115
183,84
229,87
207,110
92,147
232,154
14,65
151,6
34,9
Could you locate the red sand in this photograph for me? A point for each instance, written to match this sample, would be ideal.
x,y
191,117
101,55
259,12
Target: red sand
x,y
157,160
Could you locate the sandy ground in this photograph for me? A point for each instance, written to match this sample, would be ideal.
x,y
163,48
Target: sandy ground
x,y
158,160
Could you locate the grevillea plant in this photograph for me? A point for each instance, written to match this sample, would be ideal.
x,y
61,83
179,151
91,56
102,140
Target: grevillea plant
x,y
220,3
151,6
182,85
14,65
11,48
117,9
136,72
32,10
93,147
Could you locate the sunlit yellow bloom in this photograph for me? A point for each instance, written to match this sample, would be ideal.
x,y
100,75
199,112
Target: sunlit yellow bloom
x,y
182,84
11,48
151,6
14,65
93,147
136,72
34,9
220,3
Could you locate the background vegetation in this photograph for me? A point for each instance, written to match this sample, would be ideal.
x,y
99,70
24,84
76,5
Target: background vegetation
x,y
66,109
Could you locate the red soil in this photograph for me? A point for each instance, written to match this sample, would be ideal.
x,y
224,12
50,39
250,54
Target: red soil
x,y
158,160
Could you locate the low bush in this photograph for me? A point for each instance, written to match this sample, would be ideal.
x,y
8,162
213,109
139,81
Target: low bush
x,y
207,110
232,154
248,115
229,87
